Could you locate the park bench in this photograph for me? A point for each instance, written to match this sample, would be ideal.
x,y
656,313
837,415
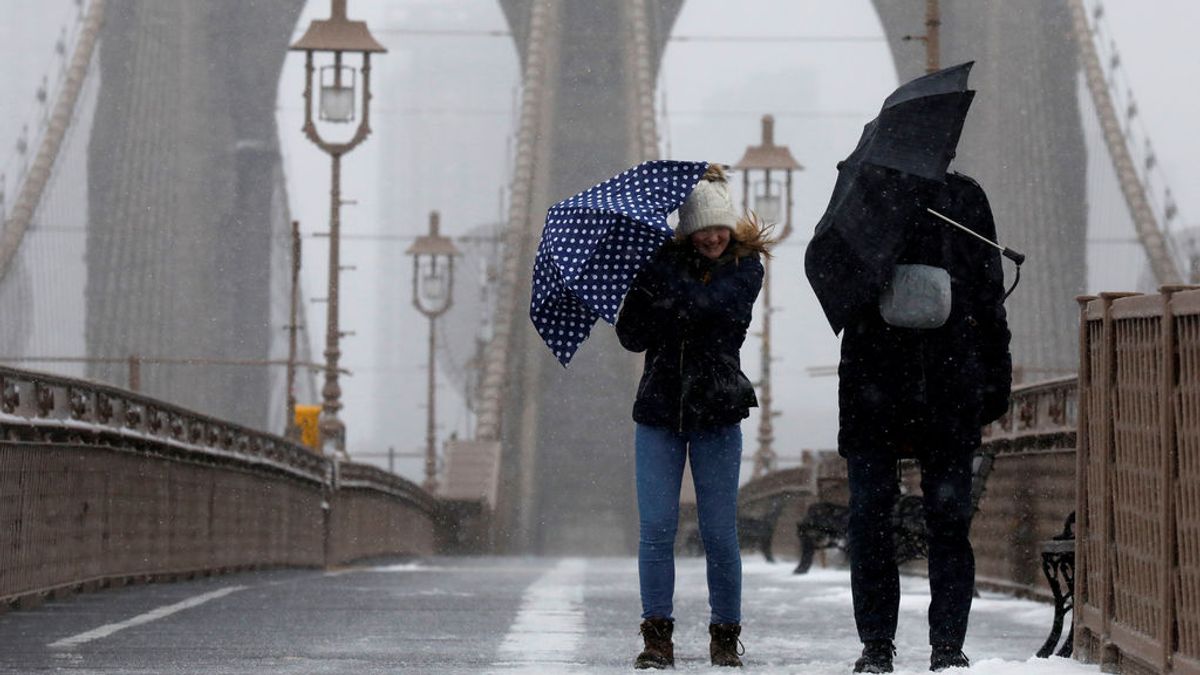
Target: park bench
x,y
825,524
763,501
758,530
1058,564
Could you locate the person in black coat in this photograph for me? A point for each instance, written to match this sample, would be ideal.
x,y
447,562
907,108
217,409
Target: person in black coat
x,y
924,393
689,311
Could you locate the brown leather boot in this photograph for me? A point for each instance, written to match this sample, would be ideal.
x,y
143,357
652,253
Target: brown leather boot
x,y
725,647
660,651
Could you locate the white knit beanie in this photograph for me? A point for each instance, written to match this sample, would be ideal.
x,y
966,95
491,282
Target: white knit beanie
x,y
707,206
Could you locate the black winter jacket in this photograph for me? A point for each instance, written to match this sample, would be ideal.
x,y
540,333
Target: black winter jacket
x,y
932,389
690,315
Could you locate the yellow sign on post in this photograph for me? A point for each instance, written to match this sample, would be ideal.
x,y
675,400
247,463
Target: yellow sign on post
x,y
306,421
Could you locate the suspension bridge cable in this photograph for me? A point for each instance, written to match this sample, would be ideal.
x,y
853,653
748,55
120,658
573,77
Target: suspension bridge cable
x,y
1153,238
39,174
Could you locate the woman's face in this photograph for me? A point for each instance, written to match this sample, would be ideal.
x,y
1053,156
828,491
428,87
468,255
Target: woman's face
x,y
711,241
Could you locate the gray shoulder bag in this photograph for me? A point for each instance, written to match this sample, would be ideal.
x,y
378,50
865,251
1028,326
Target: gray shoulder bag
x,y
917,297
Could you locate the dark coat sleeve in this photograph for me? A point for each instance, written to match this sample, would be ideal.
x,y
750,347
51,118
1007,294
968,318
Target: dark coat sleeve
x,y
636,322
665,302
993,324
648,310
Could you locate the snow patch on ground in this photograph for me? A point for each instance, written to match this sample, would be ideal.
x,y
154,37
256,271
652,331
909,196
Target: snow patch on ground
x,y
805,624
914,666
405,567
550,625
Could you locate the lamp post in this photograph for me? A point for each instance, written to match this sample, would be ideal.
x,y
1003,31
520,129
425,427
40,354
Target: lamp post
x,y
768,200
291,431
338,36
432,294
932,37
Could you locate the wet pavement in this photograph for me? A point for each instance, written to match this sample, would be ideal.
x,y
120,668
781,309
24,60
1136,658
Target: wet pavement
x,y
482,615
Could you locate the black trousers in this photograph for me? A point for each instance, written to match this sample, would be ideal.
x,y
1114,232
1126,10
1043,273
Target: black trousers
x,y
875,581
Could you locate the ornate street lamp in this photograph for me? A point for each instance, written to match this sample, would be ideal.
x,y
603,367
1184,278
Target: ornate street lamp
x,y
767,158
338,36
432,294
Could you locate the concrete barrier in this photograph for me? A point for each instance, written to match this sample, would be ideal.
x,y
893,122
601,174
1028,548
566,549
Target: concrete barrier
x,y
99,485
375,513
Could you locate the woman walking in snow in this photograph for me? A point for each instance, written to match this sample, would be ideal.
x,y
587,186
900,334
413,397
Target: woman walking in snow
x,y
689,310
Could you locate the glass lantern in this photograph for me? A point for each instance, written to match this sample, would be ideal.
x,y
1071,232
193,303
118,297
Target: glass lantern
x,y
433,281
337,94
768,206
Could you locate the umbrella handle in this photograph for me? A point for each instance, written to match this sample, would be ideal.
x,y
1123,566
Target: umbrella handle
x,y
1018,258
1016,279
1014,256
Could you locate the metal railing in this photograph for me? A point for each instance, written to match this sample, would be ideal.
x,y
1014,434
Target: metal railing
x,y
1029,490
101,485
45,408
1137,593
1028,493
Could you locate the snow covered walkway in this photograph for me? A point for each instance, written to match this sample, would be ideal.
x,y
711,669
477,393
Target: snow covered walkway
x,y
807,625
484,615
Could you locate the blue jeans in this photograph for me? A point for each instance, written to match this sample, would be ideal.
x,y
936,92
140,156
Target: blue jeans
x,y
716,458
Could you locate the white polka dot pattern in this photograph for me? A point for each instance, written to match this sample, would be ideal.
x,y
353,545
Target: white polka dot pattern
x,y
594,243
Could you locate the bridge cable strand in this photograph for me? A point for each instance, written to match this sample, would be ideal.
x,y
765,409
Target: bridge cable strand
x,y
33,187
642,82
1183,245
1153,238
47,224
496,353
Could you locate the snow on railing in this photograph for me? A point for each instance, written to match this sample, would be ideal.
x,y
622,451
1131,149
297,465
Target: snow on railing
x,y
52,408
100,484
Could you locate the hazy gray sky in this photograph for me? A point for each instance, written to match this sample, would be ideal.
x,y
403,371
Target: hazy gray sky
x,y
442,119
820,93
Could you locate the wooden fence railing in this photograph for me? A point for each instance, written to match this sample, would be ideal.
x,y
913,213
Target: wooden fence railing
x,y
1137,584
101,485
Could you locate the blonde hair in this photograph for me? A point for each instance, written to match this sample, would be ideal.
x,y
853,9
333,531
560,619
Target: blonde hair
x,y
750,234
753,236
715,173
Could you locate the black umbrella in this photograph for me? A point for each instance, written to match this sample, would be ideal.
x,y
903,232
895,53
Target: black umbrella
x,y
896,170
918,128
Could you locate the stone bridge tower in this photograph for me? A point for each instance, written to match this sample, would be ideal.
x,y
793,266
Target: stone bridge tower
x,y
568,436
589,71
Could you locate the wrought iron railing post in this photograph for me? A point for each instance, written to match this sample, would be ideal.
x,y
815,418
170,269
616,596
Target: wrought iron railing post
x,y
1082,454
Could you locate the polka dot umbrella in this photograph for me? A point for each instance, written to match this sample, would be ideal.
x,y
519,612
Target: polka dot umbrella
x,y
593,244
